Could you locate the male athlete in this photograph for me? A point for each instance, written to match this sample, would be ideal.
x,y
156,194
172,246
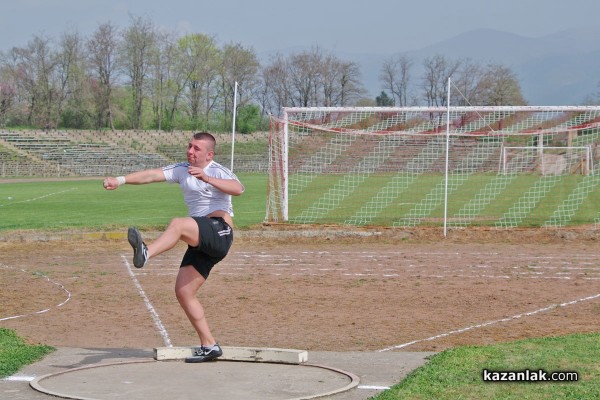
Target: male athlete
x,y
207,189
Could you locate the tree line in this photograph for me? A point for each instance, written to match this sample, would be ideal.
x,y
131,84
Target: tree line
x,y
140,77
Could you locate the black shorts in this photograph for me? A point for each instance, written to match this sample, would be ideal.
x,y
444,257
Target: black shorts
x,y
216,237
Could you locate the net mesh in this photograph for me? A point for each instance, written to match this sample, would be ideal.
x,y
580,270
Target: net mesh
x,y
496,166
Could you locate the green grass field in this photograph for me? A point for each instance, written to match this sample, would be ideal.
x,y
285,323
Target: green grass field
x,y
457,373
528,198
84,204
15,352
56,205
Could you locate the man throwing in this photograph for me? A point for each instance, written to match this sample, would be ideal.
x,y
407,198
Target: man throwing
x,y
208,230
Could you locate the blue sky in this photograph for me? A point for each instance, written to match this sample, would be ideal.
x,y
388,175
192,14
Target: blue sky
x,y
374,26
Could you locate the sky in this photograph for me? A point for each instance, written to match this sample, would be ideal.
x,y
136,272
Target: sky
x,y
348,26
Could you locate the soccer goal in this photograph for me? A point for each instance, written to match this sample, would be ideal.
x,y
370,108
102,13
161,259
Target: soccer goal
x,y
456,166
547,160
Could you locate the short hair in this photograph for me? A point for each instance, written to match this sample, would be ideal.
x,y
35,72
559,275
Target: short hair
x,y
207,137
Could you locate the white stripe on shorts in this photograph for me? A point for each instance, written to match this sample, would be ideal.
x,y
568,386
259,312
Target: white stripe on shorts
x,y
225,232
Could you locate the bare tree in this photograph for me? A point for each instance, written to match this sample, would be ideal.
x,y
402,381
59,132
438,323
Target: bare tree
x,y
306,78
340,81
351,87
276,85
395,77
467,85
262,93
31,68
8,91
136,47
438,69
72,80
310,78
102,58
239,65
163,85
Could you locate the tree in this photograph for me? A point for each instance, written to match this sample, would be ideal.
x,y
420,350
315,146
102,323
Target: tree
x,y
136,48
466,86
501,87
395,77
341,82
310,78
102,59
32,68
73,104
239,65
438,69
162,86
8,95
383,100
200,60
276,85
305,78
248,118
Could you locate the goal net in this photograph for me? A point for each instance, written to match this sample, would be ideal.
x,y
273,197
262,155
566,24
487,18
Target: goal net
x,y
547,160
456,166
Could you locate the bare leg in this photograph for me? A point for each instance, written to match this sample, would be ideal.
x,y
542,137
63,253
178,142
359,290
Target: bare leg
x,y
185,229
186,287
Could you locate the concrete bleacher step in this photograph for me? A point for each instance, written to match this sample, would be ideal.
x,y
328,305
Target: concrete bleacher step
x,y
110,152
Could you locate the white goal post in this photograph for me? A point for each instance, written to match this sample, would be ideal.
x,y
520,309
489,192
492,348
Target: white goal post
x,y
546,160
456,166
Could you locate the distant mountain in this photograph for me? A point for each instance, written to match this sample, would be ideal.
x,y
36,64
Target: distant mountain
x,y
558,69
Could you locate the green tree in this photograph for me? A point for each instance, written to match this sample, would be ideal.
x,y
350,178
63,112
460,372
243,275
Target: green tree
x,y
199,67
383,100
248,119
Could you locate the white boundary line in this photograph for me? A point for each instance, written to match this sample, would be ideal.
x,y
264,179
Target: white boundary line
x,y
468,328
372,387
157,322
19,378
37,198
60,285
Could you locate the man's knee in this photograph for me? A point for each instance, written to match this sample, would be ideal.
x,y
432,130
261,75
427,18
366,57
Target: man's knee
x,y
179,222
182,294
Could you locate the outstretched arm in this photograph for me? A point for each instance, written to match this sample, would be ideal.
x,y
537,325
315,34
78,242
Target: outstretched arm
x,y
135,178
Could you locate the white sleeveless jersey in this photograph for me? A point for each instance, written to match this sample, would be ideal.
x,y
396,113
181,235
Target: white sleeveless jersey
x,y
200,197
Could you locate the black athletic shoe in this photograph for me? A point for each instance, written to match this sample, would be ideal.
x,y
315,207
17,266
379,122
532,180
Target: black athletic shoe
x,y
202,353
140,251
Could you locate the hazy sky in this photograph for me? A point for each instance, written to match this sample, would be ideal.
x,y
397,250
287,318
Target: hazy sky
x,y
352,26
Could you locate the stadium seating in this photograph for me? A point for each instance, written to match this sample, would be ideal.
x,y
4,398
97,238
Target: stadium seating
x,y
100,153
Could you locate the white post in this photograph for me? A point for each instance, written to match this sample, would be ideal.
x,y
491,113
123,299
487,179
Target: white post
x,y
233,124
588,161
541,151
446,167
284,200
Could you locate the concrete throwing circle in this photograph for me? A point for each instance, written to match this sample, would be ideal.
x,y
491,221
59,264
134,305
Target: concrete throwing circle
x,y
150,379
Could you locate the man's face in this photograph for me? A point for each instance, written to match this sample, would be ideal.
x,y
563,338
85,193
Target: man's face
x,y
199,153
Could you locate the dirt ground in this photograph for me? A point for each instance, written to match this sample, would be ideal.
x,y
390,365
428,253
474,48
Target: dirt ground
x,y
326,289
